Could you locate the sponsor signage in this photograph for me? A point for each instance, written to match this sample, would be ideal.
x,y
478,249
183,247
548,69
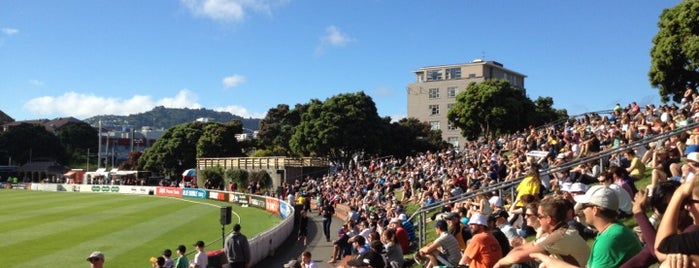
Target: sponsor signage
x,y
239,198
272,205
142,190
20,186
217,195
169,191
105,188
194,193
258,201
284,210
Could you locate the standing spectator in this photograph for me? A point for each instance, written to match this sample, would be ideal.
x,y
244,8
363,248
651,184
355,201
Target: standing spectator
x,y
169,263
181,261
615,243
200,259
483,250
96,259
327,212
303,227
443,251
237,249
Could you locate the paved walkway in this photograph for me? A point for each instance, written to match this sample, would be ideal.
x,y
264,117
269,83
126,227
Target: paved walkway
x,y
319,248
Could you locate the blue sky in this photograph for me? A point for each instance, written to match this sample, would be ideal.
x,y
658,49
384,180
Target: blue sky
x,y
86,58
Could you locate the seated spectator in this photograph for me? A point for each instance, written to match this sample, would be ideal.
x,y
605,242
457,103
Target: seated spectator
x,y
443,251
483,250
555,236
615,243
394,253
667,240
341,245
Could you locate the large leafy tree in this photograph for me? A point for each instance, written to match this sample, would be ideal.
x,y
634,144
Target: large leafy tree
x,y
342,127
489,108
78,138
409,136
675,52
218,140
180,146
27,142
277,128
545,113
174,152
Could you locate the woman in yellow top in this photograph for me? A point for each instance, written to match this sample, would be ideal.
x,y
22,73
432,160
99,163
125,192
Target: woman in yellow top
x,y
636,168
531,184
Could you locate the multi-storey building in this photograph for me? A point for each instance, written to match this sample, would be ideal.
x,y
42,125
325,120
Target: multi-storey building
x,y
435,88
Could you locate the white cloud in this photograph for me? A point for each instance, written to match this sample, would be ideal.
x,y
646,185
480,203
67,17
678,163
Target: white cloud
x,y
240,111
230,10
87,105
233,80
36,83
333,37
10,31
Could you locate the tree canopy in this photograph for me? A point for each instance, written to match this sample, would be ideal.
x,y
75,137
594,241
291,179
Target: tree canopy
x,y
675,52
26,142
342,127
180,146
493,107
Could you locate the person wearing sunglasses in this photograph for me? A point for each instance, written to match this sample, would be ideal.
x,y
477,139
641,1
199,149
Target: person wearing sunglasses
x,y
96,259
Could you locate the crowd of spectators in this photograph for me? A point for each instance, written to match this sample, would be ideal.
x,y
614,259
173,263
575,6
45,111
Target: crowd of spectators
x,y
560,210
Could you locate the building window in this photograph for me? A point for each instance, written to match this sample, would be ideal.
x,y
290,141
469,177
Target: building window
x,y
471,75
451,127
434,125
451,92
434,75
434,93
454,141
434,109
453,73
449,105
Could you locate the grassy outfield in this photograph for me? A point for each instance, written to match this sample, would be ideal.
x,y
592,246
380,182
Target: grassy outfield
x,y
60,229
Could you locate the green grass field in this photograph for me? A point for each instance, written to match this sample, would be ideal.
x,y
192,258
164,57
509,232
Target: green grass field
x,y
60,229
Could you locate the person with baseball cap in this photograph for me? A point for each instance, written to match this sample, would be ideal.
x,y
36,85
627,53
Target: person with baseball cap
x,y
483,250
459,231
615,243
96,259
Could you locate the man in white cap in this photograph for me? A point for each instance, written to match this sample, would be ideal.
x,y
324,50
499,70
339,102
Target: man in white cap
x,y
483,250
96,259
615,243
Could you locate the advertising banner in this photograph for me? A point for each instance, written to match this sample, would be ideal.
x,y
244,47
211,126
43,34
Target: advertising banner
x,y
284,210
258,201
169,191
104,188
217,195
239,198
194,193
142,190
272,205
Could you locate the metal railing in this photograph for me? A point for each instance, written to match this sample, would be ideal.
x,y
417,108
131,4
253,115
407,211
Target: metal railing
x,y
421,213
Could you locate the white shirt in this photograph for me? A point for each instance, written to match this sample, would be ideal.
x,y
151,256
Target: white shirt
x,y
311,264
201,259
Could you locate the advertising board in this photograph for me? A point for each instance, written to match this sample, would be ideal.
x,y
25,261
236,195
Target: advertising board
x,y
169,191
194,193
